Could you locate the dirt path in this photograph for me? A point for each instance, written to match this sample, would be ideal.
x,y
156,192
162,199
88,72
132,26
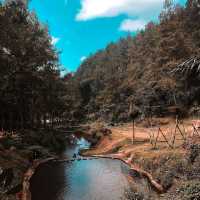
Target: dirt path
x,y
167,125
127,131
121,137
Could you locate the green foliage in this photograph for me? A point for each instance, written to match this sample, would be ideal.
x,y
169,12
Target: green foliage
x,y
50,139
7,142
139,68
53,141
30,86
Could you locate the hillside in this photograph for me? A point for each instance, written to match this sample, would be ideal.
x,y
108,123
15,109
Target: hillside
x,y
137,69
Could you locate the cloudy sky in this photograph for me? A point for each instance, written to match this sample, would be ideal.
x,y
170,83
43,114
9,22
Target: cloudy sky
x,y
81,27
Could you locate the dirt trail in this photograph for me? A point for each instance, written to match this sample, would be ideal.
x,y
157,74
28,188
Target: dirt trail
x,y
120,141
167,125
127,131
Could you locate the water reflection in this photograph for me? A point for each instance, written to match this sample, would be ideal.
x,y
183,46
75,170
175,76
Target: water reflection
x,y
100,179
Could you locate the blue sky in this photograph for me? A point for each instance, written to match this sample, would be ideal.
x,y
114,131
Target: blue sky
x,y
81,27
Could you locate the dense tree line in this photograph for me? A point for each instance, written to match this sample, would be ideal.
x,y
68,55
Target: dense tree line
x,y
31,90
138,69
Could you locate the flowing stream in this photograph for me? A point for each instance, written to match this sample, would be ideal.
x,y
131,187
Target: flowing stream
x,y
95,179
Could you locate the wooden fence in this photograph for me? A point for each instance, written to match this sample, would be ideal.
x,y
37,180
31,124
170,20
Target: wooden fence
x,y
179,132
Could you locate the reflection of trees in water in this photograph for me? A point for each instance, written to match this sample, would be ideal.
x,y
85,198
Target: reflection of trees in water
x,y
125,169
48,181
69,180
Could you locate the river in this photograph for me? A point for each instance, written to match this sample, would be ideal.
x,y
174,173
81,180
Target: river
x,y
95,179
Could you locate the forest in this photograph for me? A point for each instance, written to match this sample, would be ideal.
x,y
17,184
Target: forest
x,y
139,69
135,70
124,125
31,89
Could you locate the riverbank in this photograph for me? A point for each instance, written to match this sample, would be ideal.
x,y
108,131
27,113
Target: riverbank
x,y
173,171
20,154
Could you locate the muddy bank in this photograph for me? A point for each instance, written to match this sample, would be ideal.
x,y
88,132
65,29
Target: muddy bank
x,y
25,193
173,172
20,154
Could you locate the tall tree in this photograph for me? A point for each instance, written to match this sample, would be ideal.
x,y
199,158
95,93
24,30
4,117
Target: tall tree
x,y
28,67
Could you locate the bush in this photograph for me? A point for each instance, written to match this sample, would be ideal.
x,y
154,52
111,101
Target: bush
x,y
194,152
7,142
167,180
50,139
132,195
190,191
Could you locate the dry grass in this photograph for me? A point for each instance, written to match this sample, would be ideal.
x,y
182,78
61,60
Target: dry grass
x,y
122,135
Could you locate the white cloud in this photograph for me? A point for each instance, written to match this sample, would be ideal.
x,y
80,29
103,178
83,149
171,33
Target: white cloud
x,y
54,40
91,9
132,25
83,58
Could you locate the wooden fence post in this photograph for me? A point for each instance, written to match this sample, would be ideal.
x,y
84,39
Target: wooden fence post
x,y
195,131
166,139
157,138
174,135
184,138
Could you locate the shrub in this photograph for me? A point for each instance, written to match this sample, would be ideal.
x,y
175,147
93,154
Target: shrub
x,y
7,142
190,191
194,152
129,194
167,180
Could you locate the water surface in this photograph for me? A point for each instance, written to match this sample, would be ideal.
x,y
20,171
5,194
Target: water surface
x,y
97,179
